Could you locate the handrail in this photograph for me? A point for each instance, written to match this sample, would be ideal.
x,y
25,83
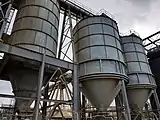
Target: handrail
x,y
129,33
107,13
89,10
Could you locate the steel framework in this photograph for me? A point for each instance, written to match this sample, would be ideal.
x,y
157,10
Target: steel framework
x,y
62,90
151,42
60,82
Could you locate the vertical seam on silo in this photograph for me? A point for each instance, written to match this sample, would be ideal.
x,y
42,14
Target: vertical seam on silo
x,y
46,36
115,39
137,74
104,44
105,47
41,26
88,30
136,51
50,33
41,49
149,78
100,64
77,45
124,56
52,29
85,68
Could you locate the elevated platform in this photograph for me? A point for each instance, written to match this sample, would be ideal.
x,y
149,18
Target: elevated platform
x,y
31,59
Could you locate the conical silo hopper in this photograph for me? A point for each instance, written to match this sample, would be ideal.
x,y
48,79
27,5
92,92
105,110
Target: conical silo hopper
x,y
100,59
35,29
141,80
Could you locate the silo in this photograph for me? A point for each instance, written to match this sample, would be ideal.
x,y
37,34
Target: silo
x,y
35,29
100,60
36,26
141,80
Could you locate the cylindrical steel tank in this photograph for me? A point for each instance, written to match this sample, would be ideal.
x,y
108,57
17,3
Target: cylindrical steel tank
x,y
35,29
36,26
100,60
141,80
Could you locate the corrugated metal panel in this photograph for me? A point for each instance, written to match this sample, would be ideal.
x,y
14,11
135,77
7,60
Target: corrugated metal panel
x,y
36,26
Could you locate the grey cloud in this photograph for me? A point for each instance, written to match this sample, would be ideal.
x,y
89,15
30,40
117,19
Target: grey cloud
x,y
142,3
130,13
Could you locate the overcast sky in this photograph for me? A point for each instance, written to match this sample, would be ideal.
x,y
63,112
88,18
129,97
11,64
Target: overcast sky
x,y
140,15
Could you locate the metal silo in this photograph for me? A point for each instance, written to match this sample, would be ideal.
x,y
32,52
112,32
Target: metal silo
x,y
141,80
36,26
35,29
100,60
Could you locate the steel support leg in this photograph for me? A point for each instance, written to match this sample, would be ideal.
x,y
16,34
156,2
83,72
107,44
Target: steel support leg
x,y
118,106
40,81
83,107
76,87
124,94
76,95
157,102
44,108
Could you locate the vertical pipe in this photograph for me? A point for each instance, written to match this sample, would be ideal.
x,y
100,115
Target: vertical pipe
x,y
124,94
40,80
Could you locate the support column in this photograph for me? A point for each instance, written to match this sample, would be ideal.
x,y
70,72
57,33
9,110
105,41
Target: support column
x,y
118,106
44,108
124,94
157,102
76,86
83,107
40,81
76,96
